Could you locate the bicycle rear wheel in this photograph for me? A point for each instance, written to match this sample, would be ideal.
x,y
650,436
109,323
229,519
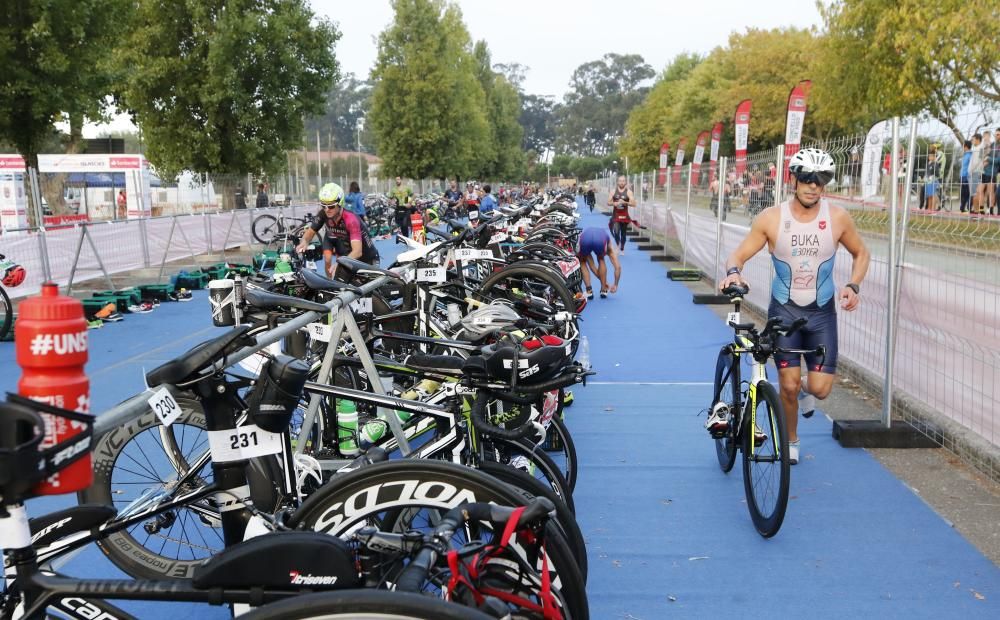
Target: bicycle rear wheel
x,y
265,228
726,391
766,471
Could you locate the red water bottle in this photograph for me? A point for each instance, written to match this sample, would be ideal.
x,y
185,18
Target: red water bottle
x,y
51,338
417,227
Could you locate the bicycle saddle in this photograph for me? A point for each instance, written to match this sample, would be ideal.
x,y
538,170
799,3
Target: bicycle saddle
x,y
360,267
320,283
263,299
191,362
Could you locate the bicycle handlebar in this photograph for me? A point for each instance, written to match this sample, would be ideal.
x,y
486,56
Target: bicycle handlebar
x,y
436,543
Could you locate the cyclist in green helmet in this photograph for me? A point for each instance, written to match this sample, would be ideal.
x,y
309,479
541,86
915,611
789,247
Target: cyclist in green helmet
x,y
401,196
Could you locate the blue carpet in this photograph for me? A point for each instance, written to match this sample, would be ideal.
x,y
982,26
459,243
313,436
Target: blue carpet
x,y
667,532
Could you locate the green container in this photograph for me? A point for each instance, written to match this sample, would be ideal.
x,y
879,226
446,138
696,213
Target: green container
x,y
120,301
265,260
156,291
347,427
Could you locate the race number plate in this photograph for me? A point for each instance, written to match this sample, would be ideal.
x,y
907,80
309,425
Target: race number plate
x,y
733,317
363,305
431,274
164,406
500,237
311,264
320,331
245,442
472,254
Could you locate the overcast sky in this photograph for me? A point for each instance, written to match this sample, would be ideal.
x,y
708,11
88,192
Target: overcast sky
x,y
554,37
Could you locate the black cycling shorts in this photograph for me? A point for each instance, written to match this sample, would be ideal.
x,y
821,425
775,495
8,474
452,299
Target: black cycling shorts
x,y
821,329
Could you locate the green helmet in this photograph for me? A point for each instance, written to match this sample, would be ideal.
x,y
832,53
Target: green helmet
x,y
331,194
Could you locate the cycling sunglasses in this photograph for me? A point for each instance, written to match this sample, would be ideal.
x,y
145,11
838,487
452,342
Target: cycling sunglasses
x,y
819,178
333,205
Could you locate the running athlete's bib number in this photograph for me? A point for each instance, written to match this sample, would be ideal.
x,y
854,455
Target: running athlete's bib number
x,y
164,406
245,442
431,274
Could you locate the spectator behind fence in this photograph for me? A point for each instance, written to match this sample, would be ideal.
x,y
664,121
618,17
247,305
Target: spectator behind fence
x,y
931,182
991,166
963,174
355,201
986,202
122,205
262,201
976,170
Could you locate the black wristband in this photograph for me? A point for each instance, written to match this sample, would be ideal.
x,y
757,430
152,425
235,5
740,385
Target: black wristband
x,y
732,270
854,287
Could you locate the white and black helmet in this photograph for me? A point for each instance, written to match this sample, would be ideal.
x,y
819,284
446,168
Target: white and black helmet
x,y
812,166
487,319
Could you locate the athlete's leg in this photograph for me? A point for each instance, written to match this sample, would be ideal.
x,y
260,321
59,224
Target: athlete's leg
x,y
328,262
818,384
790,381
587,267
602,274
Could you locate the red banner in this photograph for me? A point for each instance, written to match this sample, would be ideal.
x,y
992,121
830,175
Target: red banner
x,y
713,153
741,122
699,154
664,162
796,119
679,160
53,222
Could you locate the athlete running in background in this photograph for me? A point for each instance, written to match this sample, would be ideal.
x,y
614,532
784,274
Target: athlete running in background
x,y
591,248
620,200
803,235
345,236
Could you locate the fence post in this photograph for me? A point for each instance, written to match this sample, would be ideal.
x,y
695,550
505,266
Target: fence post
x,y
687,212
890,338
666,225
720,209
43,245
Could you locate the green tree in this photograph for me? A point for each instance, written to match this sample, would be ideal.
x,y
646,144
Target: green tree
x,y
501,156
601,96
55,65
903,57
428,109
222,86
538,121
348,101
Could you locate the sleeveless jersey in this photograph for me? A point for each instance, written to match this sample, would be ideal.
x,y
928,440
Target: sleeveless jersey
x,y
620,214
803,258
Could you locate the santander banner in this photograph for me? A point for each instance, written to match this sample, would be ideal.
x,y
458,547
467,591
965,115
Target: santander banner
x,y
741,123
664,162
713,154
796,120
679,160
699,154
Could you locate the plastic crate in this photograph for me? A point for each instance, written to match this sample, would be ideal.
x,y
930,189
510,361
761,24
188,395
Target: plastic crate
x,y
156,291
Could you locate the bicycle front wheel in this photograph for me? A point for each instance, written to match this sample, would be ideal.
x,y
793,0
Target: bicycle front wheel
x,y
726,391
766,471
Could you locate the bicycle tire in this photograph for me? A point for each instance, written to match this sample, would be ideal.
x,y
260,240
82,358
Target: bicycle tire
x,y
124,548
265,228
560,446
767,508
540,465
565,519
364,605
725,447
536,277
6,313
359,497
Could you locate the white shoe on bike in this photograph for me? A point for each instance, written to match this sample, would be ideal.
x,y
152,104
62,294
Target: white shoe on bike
x,y
718,419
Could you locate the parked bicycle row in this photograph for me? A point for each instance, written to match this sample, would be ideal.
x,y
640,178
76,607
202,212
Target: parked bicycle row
x,y
394,439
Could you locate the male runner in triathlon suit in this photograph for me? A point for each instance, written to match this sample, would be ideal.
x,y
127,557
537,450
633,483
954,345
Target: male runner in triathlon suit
x,y
345,235
402,196
595,243
620,200
803,235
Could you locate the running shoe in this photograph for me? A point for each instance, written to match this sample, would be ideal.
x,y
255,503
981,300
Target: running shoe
x,y
567,398
718,421
793,451
604,293
590,293
95,324
184,295
807,402
114,317
151,301
140,308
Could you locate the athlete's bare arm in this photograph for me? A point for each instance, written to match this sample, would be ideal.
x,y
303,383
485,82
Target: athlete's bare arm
x,y
854,244
763,225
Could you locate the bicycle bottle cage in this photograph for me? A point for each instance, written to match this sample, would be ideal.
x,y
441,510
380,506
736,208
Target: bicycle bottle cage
x,y
23,464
